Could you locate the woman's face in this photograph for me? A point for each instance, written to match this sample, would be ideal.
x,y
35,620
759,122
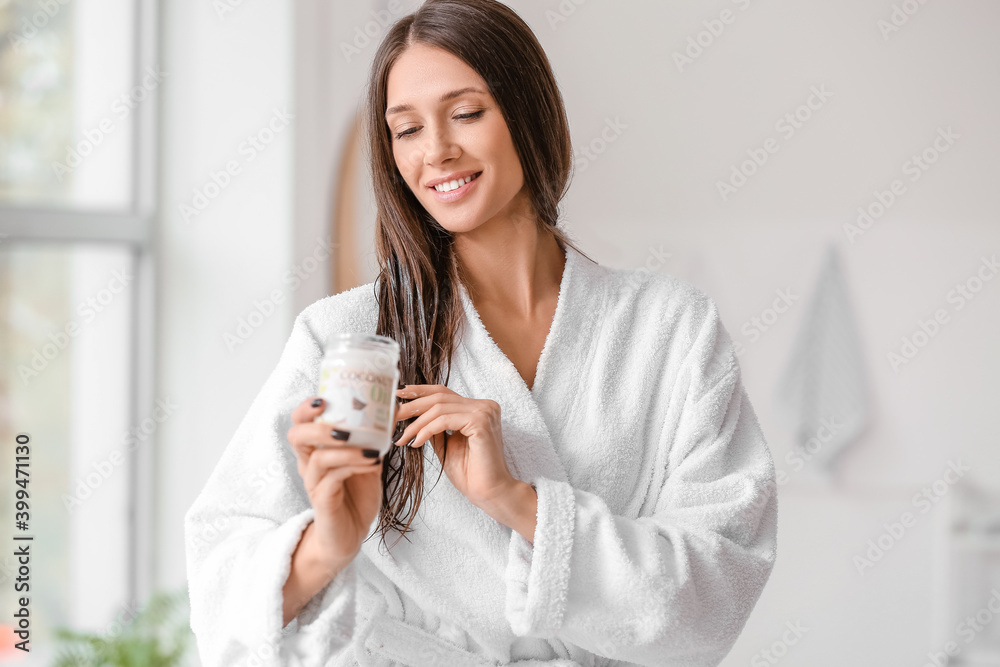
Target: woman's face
x,y
439,134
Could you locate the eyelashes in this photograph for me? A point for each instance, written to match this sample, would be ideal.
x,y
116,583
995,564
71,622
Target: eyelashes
x,y
464,116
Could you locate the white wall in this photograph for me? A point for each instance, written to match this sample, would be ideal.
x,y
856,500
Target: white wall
x,y
226,75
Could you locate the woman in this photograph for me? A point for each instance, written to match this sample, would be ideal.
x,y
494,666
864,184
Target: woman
x,y
603,492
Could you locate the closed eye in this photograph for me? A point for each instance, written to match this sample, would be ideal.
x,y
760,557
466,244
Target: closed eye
x,y
464,116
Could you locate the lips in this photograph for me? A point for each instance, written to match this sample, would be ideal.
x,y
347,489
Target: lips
x,y
454,177
459,194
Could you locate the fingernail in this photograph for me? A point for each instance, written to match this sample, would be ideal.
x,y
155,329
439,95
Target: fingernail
x,y
376,461
317,402
340,435
370,453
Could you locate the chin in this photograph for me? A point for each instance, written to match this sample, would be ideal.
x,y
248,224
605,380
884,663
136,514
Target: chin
x,y
459,226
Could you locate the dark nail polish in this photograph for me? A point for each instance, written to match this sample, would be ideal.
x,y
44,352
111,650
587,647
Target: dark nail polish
x,y
340,435
318,402
376,461
370,453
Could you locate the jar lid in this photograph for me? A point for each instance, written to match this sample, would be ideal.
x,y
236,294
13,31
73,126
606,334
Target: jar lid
x,y
362,341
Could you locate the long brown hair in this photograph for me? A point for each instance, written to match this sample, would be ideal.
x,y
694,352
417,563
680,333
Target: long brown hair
x,y
419,305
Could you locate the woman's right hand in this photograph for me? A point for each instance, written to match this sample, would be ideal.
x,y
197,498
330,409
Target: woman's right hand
x,y
344,486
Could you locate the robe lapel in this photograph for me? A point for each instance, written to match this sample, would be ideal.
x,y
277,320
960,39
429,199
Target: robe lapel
x,y
482,370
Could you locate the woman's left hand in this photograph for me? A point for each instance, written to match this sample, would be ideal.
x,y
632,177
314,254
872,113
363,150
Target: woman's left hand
x,y
475,462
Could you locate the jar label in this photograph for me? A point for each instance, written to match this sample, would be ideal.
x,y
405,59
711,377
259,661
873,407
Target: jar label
x,y
357,396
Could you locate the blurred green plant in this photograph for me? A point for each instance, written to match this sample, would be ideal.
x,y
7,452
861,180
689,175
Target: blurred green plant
x,y
157,636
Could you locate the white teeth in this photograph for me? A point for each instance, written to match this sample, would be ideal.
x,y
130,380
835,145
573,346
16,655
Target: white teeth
x,y
453,185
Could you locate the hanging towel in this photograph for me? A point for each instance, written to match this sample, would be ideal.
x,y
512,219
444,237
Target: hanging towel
x,y
656,522
823,393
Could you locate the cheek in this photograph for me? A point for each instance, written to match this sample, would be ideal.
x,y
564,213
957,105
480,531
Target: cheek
x,y
404,164
511,179
503,148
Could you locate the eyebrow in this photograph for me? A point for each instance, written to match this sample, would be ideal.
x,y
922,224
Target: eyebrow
x,y
444,98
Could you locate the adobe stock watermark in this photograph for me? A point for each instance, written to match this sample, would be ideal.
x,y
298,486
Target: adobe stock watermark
x,y
760,324
779,647
364,35
583,157
121,108
923,501
75,654
656,258
223,8
967,630
264,308
899,17
30,26
249,148
649,602
246,496
787,125
914,167
85,486
562,12
122,619
959,296
58,340
797,457
698,43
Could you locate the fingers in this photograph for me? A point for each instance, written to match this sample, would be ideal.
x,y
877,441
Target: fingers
x,y
351,460
439,417
332,483
305,438
449,422
417,406
308,410
305,434
418,390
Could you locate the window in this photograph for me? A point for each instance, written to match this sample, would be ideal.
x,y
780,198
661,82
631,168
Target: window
x,y
78,88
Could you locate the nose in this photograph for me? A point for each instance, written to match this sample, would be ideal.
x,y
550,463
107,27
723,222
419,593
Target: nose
x,y
439,146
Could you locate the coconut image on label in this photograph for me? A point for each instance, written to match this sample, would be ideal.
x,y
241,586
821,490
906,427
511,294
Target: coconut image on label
x,y
345,405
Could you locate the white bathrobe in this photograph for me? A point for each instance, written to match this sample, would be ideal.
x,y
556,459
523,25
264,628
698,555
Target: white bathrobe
x,y
656,521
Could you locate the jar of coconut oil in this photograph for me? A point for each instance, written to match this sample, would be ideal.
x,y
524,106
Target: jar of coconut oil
x,y
358,378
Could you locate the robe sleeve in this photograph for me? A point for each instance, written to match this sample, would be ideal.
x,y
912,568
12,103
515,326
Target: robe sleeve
x,y
677,586
245,524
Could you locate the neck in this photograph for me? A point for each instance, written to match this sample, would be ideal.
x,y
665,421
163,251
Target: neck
x,y
510,265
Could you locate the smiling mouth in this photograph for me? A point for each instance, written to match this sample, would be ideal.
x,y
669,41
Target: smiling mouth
x,y
459,184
